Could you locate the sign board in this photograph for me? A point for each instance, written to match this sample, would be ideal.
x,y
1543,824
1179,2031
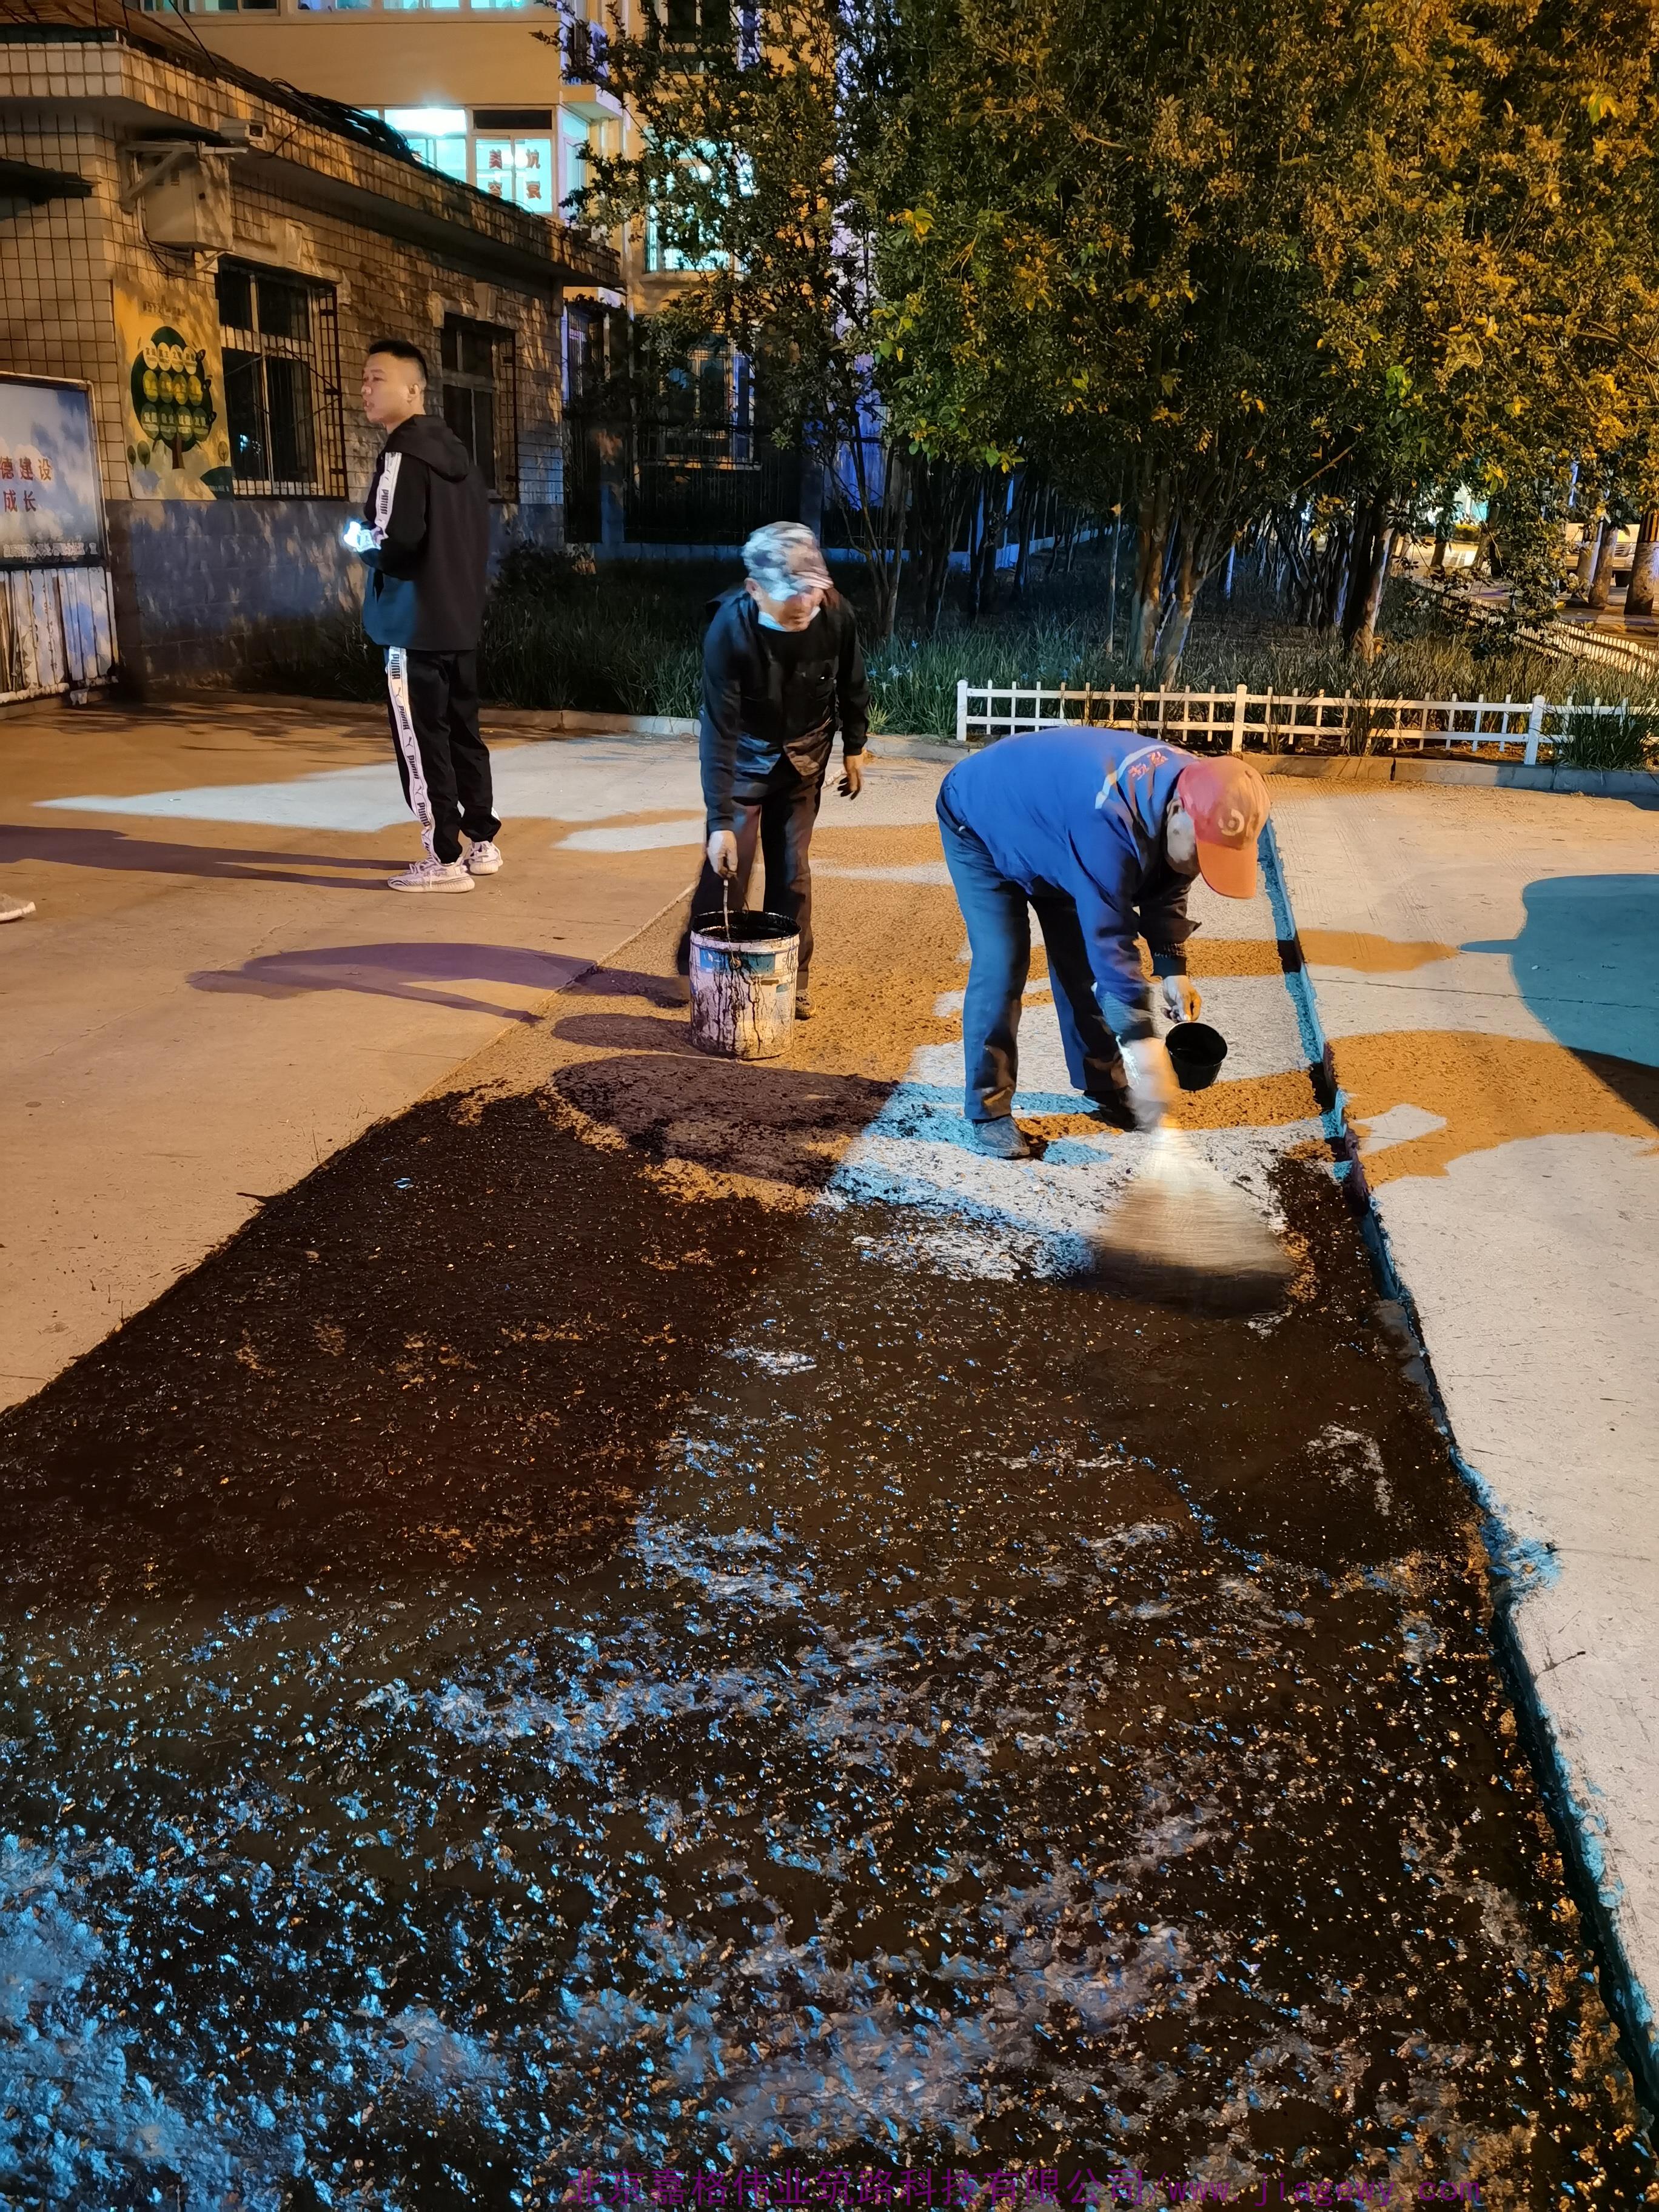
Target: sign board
x,y
49,508
173,391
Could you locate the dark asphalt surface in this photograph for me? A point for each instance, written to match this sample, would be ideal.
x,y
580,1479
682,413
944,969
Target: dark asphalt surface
x,y
504,1675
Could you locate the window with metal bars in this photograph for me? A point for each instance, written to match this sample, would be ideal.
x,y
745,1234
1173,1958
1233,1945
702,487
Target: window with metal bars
x,y
479,366
283,408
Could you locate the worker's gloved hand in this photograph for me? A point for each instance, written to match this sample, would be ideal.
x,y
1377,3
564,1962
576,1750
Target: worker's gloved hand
x,y
1181,1000
357,537
723,852
1151,1081
852,776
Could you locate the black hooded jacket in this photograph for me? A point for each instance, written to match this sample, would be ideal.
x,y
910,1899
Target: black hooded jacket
x,y
753,715
430,512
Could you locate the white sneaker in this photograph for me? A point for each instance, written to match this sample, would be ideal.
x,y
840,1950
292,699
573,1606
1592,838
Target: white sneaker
x,y
433,875
484,859
14,910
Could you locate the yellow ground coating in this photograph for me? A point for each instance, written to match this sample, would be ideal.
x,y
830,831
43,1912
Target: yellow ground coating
x,y
1489,1091
1370,956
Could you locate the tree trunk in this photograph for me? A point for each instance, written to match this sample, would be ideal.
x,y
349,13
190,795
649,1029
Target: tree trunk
x,y
1644,567
1367,528
1438,566
1363,641
1588,551
1152,542
1181,619
1602,580
1111,579
1026,512
1335,574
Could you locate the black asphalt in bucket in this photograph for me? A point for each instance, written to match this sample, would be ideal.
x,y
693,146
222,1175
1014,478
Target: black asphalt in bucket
x,y
1196,1052
743,983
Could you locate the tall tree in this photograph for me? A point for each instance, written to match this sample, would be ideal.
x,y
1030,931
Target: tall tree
x,y
762,155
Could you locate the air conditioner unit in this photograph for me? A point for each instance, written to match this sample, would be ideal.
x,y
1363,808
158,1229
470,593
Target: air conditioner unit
x,y
189,204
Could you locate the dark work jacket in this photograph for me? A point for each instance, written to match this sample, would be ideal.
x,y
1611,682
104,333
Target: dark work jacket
x,y
1080,812
430,512
752,718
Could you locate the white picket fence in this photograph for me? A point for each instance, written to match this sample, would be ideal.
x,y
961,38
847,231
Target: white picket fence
x,y
1274,721
1563,640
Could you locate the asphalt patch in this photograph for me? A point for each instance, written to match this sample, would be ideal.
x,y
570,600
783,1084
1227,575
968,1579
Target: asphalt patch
x,y
510,1674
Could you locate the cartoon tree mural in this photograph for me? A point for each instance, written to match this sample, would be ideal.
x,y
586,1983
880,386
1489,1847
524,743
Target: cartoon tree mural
x,y
172,395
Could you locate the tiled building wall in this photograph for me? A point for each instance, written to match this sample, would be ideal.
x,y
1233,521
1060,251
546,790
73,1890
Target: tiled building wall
x,y
197,583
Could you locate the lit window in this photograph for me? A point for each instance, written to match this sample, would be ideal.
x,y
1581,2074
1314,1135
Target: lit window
x,y
436,136
574,149
517,169
661,255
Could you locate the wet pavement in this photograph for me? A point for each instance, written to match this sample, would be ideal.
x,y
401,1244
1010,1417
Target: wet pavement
x,y
545,1669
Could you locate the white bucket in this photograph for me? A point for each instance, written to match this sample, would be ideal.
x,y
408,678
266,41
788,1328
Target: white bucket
x,y
743,985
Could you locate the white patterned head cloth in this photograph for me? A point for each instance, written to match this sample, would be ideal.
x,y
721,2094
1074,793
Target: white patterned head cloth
x,y
784,559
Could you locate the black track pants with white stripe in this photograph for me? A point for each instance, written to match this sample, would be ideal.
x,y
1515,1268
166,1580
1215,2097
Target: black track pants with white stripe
x,y
433,698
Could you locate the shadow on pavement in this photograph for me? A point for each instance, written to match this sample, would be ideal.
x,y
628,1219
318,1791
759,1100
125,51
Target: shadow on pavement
x,y
114,848
1585,963
409,971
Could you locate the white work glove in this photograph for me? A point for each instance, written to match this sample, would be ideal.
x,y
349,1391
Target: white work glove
x,y
357,537
1151,1081
1181,1000
723,852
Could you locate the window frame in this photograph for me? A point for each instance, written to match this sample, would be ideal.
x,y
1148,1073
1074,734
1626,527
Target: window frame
x,y
502,383
318,351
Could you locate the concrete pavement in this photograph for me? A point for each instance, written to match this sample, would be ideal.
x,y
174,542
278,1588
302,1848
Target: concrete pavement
x,y
218,991
1483,966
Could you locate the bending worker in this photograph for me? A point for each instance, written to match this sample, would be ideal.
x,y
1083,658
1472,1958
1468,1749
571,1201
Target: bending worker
x,y
1103,833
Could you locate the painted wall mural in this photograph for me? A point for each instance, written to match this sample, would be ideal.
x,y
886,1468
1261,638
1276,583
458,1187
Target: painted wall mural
x,y
172,388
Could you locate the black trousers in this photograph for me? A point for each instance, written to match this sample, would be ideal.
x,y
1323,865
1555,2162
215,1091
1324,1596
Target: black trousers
x,y
780,821
443,763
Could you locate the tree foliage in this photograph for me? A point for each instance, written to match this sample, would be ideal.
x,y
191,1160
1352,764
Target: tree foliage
x,y
1301,269
761,166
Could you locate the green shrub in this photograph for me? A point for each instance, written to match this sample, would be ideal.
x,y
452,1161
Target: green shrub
x,y
626,638
1607,741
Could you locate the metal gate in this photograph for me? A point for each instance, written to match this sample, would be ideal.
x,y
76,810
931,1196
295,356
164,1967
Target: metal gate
x,y
56,624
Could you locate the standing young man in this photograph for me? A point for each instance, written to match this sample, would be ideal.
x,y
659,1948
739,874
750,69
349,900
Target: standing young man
x,y
425,538
780,669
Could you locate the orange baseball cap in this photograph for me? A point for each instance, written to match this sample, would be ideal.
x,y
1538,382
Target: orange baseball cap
x,y
1228,801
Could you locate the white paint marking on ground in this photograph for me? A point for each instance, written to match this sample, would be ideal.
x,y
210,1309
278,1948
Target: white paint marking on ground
x,y
577,780
640,837
981,1216
1397,1126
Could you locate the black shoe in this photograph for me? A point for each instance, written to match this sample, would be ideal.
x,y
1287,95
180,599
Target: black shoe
x,y
803,1003
1003,1138
1114,1113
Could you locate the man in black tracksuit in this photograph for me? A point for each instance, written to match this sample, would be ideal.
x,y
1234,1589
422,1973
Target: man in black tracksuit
x,y
425,537
781,669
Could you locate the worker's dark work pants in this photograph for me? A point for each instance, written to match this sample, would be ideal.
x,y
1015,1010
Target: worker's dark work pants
x,y
780,822
433,698
999,921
